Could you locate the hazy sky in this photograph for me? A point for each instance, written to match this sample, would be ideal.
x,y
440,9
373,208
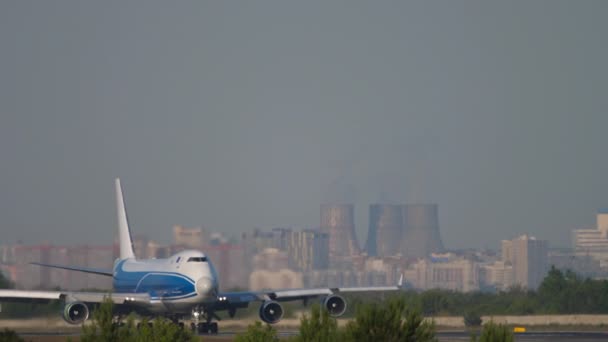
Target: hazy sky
x,y
234,115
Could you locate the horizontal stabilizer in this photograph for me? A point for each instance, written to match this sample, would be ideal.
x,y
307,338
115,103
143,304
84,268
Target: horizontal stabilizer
x,y
99,271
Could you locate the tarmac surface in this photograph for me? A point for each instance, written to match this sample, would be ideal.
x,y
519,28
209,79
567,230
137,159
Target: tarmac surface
x,y
55,330
443,336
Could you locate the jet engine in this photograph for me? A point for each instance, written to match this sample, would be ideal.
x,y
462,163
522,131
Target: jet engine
x,y
75,312
335,305
271,312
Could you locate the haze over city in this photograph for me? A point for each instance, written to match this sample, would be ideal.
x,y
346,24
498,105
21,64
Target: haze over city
x,y
241,115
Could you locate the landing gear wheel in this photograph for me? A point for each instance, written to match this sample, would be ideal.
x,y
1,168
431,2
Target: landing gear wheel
x,y
213,328
181,325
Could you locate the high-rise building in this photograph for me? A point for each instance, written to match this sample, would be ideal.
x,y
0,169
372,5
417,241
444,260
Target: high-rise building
x,y
270,259
451,273
593,241
279,279
507,251
259,239
585,266
281,238
529,261
229,262
29,276
189,237
140,244
498,275
156,251
308,250
602,221
35,277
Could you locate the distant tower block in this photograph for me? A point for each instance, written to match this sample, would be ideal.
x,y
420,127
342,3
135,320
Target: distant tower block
x,y
385,229
338,220
421,235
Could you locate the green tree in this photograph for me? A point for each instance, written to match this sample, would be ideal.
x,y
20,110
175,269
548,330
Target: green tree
x,y
258,333
551,291
163,330
10,336
384,322
5,283
472,318
104,327
435,301
319,327
492,332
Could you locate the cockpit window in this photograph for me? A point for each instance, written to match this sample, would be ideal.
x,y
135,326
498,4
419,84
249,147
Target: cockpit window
x,y
197,259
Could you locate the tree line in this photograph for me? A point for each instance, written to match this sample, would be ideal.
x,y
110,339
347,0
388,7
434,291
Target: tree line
x,y
559,293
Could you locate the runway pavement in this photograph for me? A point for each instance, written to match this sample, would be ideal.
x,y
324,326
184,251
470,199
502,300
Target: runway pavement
x,y
574,336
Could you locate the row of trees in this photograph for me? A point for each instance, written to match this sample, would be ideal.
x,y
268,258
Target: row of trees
x,y
559,293
391,320
104,327
25,309
371,324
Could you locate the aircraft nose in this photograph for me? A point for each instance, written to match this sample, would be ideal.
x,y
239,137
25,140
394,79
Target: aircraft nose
x,y
204,286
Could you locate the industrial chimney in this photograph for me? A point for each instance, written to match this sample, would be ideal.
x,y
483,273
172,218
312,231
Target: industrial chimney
x,y
385,229
421,230
338,221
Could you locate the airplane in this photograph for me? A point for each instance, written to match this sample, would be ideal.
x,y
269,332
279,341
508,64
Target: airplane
x,y
182,285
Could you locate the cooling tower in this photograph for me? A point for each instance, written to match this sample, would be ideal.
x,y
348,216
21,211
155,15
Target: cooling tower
x,y
338,221
385,228
421,230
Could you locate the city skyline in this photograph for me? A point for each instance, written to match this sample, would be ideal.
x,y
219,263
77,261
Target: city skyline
x,y
361,240
236,116
282,258
405,241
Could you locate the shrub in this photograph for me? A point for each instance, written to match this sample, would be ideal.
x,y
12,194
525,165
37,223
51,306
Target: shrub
x,y
384,322
319,327
492,332
258,333
104,328
472,319
10,336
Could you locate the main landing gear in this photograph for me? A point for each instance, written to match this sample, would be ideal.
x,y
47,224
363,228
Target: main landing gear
x,y
206,327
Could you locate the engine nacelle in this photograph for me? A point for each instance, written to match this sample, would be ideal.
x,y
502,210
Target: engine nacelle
x,y
75,312
335,305
271,312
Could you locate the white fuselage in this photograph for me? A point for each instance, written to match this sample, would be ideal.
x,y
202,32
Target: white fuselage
x,y
175,284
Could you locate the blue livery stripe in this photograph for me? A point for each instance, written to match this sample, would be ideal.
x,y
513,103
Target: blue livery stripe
x,y
160,285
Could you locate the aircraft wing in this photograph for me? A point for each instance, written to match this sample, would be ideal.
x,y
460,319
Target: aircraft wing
x,y
300,294
70,296
100,271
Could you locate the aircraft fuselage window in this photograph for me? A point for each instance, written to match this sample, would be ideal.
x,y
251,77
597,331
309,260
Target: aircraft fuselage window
x,y
197,259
